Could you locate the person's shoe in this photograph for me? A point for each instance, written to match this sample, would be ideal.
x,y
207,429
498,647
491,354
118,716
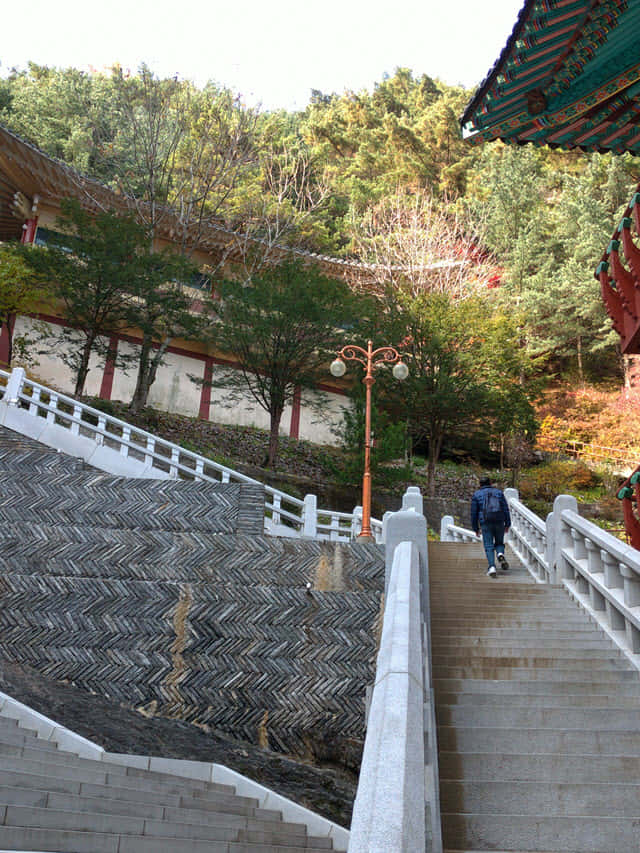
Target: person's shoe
x,y
502,560
491,572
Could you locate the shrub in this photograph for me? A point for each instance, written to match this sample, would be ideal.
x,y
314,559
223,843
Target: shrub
x,y
543,483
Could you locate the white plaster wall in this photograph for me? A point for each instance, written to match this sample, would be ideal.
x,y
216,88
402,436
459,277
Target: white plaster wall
x,y
318,424
174,391
49,367
124,381
234,408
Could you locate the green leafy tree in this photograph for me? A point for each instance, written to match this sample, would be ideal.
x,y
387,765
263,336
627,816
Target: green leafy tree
x,y
279,327
463,377
60,110
162,308
93,276
21,292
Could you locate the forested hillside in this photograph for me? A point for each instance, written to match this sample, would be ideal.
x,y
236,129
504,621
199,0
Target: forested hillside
x,y
380,176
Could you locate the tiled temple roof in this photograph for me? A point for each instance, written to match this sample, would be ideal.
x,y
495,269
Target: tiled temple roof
x,y
27,170
568,77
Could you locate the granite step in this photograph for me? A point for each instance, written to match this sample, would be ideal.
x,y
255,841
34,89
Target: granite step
x,y
538,727
539,833
158,810
545,700
530,741
101,823
538,767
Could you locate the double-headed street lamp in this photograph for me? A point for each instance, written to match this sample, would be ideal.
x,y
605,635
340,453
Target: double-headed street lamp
x,y
370,359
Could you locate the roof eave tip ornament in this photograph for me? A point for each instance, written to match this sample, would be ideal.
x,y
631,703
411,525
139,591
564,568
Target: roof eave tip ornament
x,y
469,130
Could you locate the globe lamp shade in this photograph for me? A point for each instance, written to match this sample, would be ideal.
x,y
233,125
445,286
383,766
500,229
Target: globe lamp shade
x,y
400,370
338,368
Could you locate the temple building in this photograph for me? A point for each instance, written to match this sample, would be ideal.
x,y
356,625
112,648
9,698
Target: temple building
x,y
32,186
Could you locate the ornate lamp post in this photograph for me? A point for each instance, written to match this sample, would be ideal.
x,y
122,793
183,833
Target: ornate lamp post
x,y
370,359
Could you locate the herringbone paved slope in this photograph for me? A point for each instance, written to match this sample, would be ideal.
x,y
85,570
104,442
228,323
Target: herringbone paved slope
x,y
52,800
187,556
538,716
214,628
94,499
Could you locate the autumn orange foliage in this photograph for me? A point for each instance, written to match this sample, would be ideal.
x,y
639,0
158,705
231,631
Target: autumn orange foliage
x,y
603,417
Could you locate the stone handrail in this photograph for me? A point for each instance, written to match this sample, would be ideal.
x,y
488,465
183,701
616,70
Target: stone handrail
x,y
120,448
450,532
528,537
599,571
397,804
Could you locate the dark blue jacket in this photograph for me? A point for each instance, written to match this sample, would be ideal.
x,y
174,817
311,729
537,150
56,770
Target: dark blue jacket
x,y
477,502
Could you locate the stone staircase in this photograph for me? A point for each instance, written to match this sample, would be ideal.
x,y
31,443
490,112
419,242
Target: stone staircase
x,y
167,597
54,801
538,716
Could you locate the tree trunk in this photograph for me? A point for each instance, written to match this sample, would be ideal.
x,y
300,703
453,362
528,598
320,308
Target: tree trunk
x,y
147,372
274,437
580,366
6,351
83,369
141,393
435,445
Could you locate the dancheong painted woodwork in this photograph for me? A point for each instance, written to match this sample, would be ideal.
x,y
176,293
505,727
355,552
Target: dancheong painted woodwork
x,y
568,77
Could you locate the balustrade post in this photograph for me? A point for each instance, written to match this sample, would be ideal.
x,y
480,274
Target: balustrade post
x,y
445,523
550,547
14,386
356,522
561,536
385,522
579,549
310,517
412,499
53,407
77,416
612,576
407,525
594,560
631,586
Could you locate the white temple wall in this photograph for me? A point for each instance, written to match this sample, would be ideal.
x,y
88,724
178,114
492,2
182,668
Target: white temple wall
x,y
49,367
174,391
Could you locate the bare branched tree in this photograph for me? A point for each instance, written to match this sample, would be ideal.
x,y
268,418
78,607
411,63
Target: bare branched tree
x,y
411,242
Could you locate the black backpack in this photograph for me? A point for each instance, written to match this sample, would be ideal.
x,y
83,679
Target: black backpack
x,y
492,505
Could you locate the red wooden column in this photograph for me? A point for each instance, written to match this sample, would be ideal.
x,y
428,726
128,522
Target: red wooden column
x,y
109,369
205,394
29,230
6,334
294,429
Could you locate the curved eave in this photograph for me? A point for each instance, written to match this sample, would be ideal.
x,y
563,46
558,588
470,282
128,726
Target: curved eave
x,y
489,80
570,79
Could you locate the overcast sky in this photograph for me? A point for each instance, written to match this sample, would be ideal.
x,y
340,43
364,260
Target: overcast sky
x,y
273,52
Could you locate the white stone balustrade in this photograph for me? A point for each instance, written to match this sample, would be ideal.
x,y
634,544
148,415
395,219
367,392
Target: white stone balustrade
x,y
450,532
397,804
112,445
603,573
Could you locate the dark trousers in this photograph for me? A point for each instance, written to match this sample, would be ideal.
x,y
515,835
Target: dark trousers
x,y
493,539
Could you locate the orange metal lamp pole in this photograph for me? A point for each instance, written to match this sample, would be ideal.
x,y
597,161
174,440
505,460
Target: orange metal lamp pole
x,y
370,359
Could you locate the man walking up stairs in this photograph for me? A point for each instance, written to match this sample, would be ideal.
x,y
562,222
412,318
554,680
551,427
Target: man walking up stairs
x,y
538,716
